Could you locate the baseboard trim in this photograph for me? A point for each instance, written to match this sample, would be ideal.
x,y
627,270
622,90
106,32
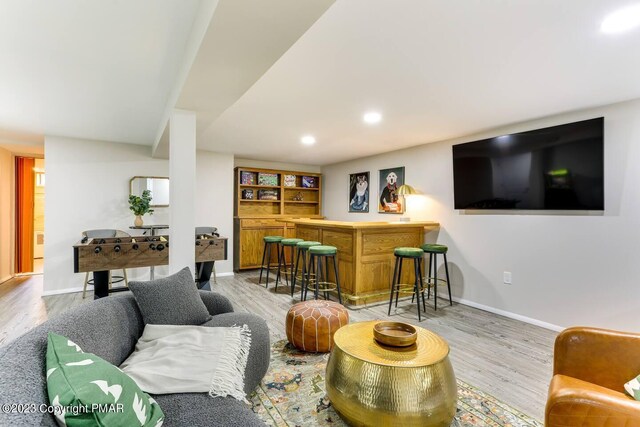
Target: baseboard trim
x,y
65,291
227,274
509,314
4,279
90,287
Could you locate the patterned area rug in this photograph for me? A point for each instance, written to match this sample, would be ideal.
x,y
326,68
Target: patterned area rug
x,y
292,394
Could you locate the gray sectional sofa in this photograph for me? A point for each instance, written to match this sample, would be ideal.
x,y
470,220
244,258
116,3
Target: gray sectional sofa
x,y
109,328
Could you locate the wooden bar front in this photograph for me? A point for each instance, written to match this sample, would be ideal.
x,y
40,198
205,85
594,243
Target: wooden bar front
x,y
365,252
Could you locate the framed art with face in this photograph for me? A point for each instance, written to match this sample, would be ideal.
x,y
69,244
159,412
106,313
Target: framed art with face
x,y
388,199
359,192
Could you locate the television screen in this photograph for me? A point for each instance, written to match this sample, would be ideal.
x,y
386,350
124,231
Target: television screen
x,y
555,168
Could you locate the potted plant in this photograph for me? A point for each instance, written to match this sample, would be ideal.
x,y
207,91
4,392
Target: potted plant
x,y
140,206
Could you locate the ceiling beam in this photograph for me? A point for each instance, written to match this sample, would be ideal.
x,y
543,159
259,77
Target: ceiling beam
x,y
245,38
199,29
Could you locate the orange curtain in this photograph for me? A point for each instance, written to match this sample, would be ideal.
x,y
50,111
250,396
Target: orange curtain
x,y
24,212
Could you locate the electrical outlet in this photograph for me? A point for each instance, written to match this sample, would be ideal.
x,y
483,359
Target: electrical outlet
x,y
506,277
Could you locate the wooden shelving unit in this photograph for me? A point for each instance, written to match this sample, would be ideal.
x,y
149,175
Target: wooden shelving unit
x,y
255,218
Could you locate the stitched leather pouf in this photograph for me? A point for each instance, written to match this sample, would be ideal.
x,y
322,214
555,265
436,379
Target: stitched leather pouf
x,y
311,324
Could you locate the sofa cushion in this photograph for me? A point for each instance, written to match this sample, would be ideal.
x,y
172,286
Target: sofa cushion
x,y
199,409
172,300
80,380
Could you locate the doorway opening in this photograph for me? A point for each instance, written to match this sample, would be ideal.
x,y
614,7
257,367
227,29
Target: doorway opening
x,y
30,191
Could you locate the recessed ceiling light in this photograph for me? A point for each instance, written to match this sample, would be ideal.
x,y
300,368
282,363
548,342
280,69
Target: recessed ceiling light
x,y
372,117
308,140
621,20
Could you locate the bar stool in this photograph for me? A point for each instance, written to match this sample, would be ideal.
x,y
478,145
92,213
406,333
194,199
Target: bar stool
x,y
282,259
418,286
302,249
269,241
433,250
317,254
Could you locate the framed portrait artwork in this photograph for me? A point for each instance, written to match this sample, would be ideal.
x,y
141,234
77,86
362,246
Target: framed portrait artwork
x,y
388,200
359,192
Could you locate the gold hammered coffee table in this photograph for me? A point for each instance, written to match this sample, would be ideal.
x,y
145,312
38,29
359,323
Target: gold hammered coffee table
x,y
370,384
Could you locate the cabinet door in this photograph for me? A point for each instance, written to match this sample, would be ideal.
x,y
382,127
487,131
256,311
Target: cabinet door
x,y
290,232
252,244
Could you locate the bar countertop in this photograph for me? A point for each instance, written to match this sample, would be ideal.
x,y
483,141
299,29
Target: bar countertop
x,y
364,224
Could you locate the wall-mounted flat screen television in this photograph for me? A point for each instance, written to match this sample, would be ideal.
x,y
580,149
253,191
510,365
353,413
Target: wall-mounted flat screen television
x,y
555,168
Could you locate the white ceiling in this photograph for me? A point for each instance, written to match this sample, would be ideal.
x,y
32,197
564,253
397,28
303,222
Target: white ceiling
x,y
244,39
436,69
90,69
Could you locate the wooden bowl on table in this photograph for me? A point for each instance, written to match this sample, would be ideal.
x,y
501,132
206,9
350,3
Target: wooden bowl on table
x,y
395,334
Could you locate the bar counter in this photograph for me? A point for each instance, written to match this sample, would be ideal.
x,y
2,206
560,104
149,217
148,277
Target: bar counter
x,y
365,252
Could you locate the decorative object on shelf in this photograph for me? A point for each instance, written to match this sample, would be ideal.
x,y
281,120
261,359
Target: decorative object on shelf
x,y
309,181
267,194
247,178
359,192
395,334
140,206
390,180
289,180
270,179
247,194
298,197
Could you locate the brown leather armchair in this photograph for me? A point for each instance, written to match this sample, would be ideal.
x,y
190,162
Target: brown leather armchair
x,y
590,368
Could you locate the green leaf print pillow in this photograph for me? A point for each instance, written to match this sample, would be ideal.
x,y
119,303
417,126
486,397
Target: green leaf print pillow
x,y
89,391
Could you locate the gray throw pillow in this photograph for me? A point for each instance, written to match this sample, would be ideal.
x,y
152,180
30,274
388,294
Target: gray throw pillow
x,y
172,300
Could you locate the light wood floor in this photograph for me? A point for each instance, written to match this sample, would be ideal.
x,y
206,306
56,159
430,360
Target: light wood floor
x,y
508,359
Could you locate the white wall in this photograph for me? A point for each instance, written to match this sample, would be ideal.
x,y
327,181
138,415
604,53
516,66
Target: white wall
x,y
6,183
88,187
568,269
214,198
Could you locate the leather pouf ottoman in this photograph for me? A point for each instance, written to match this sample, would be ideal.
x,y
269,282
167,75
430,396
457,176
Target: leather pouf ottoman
x,y
311,324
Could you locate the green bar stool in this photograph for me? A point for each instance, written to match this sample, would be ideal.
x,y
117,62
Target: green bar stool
x,y
269,241
417,289
433,250
316,256
282,259
302,249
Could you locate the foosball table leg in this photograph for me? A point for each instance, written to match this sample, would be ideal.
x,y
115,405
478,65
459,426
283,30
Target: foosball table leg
x,y
101,284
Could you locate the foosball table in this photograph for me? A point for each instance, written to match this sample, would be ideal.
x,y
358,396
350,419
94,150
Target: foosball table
x,y
101,255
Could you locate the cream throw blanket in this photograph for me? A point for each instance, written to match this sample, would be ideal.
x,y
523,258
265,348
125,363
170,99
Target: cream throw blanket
x,y
190,359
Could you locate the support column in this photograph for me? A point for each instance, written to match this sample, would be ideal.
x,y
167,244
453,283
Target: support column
x,y
182,184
